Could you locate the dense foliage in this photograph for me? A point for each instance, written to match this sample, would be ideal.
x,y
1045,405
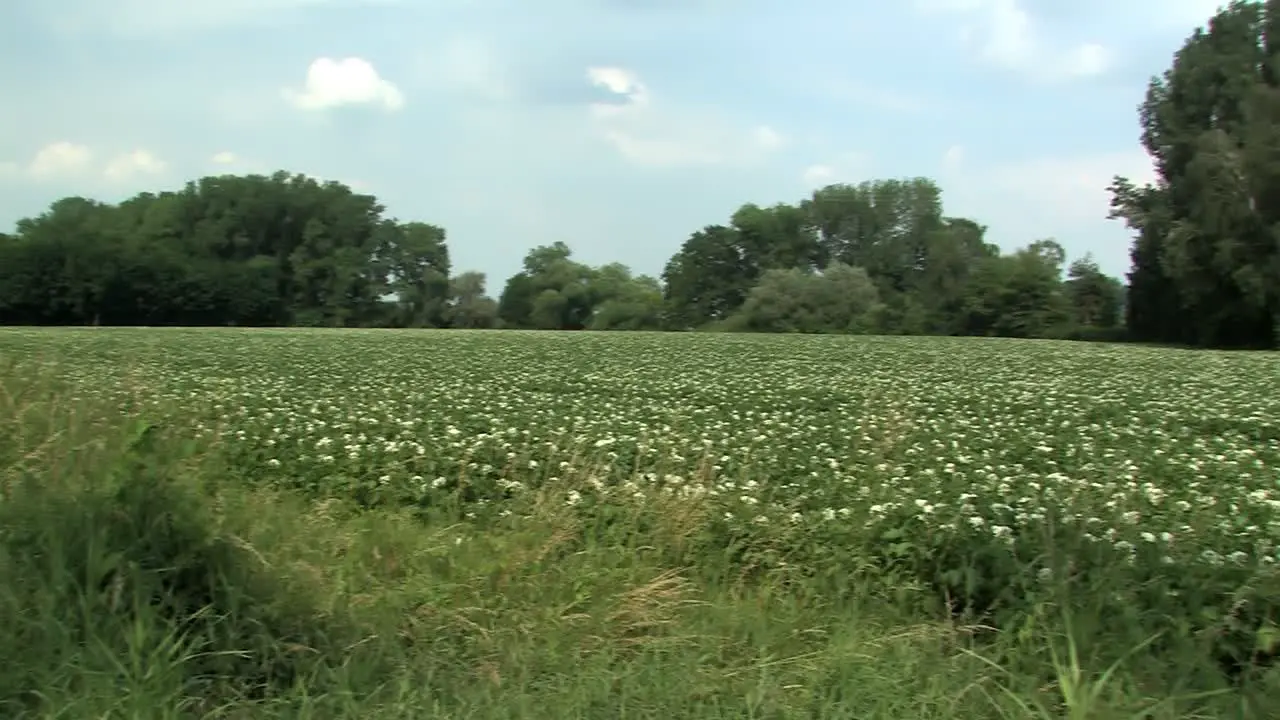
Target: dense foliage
x,y
880,257
279,250
1208,229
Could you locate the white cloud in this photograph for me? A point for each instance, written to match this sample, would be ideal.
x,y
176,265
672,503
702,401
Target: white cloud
x,y
1068,188
64,160
654,135
60,159
350,81
466,65
845,168
818,175
619,82
228,162
133,165
856,92
768,139
1087,60
1004,33
1063,196
953,159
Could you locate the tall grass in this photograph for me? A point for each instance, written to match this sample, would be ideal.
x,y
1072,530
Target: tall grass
x,y
143,577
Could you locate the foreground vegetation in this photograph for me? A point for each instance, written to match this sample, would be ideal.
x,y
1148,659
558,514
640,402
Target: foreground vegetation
x,y
301,524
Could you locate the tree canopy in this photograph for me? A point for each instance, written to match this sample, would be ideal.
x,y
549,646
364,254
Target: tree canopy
x,y
877,257
227,250
1206,259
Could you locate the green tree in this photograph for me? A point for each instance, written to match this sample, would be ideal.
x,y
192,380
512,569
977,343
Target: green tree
x,y
1093,297
237,250
936,304
1207,228
622,301
418,267
707,279
469,307
515,304
60,265
777,237
551,292
918,258
932,274
837,299
1018,295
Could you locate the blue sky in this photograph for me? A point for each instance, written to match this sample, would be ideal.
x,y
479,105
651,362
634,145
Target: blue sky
x,y
617,126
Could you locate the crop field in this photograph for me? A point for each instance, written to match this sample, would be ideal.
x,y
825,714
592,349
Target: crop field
x,y
1024,514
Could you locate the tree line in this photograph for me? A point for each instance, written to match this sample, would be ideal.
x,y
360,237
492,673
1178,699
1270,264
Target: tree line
x,y
289,250
876,257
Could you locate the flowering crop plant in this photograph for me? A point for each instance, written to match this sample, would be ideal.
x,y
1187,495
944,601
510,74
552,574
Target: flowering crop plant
x,y
983,468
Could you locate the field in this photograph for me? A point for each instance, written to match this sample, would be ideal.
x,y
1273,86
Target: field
x,y
434,524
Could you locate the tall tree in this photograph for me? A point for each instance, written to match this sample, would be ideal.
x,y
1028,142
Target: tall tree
x,y
936,304
1018,295
1093,297
777,237
708,278
469,306
1207,228
418,267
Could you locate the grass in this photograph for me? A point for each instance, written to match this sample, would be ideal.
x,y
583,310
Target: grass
x,y
165,554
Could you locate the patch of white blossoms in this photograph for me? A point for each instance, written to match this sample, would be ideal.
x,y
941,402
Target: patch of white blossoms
x,y
1172,452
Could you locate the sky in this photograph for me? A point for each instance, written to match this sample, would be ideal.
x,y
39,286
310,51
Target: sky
x,y
616,126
